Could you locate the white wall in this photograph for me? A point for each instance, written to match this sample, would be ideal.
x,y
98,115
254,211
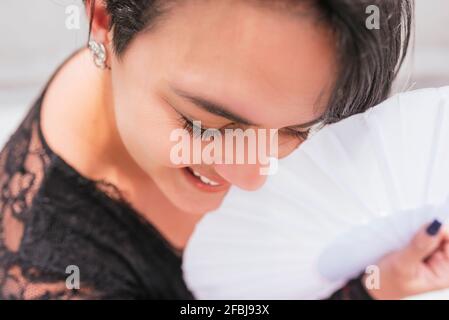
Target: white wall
x,y
428,65
34,41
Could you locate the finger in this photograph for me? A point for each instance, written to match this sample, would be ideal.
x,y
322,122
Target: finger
x,y
425,242
438,264
445,231
446,250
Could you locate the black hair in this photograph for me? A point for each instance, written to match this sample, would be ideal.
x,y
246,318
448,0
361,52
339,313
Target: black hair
x,y
368,59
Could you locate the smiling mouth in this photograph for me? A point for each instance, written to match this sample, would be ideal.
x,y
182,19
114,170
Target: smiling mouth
x,y
203,179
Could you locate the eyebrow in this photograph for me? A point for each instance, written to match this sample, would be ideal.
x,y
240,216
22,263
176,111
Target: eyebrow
x,y
221,111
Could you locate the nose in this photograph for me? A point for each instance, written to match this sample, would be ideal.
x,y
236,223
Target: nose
x,y
247,164
245,176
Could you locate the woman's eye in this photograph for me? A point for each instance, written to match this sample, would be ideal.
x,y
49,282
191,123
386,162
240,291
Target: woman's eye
x,y
194,130
208,133
302,135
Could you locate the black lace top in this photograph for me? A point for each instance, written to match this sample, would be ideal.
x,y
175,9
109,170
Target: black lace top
x,y
53,219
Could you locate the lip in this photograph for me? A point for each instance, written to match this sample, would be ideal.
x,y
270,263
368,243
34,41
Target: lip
x,y
202,186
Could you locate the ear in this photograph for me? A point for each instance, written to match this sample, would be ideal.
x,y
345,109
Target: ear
x,y
97,13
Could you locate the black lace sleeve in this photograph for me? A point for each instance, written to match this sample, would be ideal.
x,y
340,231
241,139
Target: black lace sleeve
x,y
55,222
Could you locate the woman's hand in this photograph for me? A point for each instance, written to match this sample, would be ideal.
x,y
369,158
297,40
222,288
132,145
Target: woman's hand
x,y
421,267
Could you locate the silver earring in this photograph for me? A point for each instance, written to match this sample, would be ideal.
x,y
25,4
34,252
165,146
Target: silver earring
x,y
99,54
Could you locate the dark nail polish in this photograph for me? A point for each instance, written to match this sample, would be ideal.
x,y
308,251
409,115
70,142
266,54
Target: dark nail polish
x,y
434,228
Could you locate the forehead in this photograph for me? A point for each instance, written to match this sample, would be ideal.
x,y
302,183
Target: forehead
x,y
250,57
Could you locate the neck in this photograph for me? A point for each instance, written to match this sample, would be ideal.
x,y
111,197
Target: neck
x,y
101,131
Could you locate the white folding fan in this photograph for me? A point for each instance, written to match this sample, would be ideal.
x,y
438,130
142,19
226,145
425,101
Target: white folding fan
x,y
353,192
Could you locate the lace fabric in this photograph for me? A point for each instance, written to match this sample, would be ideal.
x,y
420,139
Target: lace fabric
x,y
51,217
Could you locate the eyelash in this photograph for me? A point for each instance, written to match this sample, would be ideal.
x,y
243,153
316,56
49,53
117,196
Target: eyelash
x,y
187,124
303,135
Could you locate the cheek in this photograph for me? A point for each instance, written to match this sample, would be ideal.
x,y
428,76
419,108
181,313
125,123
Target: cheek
x,y
144,126
148,145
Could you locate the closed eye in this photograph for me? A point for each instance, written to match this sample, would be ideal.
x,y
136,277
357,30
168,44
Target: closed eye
x,y
198,132
302,135
194,130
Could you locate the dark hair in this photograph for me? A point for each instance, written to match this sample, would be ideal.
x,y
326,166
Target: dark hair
x,y
368,59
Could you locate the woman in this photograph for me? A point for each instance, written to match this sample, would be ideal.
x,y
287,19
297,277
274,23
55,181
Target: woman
x,y
87,180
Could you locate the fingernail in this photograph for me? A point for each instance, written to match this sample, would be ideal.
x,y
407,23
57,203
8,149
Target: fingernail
x,y
434,228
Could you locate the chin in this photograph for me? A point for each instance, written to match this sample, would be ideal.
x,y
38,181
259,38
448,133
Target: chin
x,y
197,205
188,193
197,202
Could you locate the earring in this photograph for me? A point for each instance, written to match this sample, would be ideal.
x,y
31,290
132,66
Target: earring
x,y
99,54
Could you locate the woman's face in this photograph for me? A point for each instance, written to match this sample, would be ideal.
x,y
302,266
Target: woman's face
x,y
227,64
